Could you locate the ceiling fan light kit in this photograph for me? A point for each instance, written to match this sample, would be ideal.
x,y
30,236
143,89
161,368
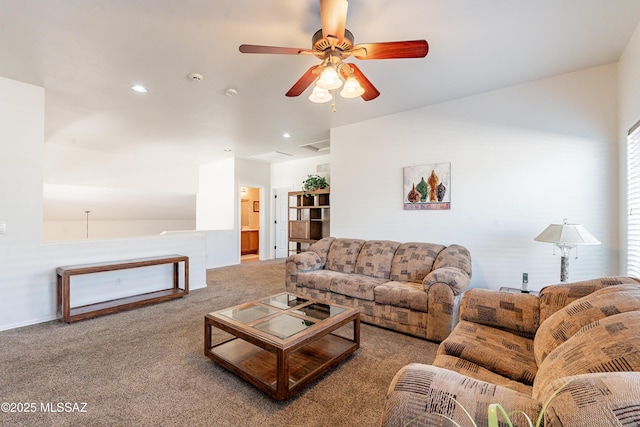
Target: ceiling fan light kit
x,y
352,88
329,78
332,44
320,95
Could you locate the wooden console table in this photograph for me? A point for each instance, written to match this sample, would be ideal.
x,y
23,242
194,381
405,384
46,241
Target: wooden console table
x,y
72,314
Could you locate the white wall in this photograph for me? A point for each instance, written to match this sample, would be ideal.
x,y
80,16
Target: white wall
x,y
291,174
521,158
218,206
27,273
629,114
215,198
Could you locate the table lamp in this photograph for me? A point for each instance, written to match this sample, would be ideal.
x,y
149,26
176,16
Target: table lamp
x,y
566,236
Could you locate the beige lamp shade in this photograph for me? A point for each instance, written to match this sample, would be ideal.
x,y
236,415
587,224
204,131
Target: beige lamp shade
x,y
566,237
567,234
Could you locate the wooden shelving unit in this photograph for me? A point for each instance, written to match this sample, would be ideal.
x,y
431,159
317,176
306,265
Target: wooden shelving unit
x,y
309,218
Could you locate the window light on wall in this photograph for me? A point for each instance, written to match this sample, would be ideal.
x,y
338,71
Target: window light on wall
x,y
633,201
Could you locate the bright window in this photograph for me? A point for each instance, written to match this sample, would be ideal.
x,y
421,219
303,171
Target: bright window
x,y
633,201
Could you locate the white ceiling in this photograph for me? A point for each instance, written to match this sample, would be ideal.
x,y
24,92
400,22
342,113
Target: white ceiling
x,y
87,55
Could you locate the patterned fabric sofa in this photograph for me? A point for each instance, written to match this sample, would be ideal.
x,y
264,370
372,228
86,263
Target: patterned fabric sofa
x,y
518,349
413,288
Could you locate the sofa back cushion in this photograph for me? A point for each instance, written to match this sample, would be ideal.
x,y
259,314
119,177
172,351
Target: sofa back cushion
x,y
343,255
375,258
321,247
513,312
454,256
555,297
413,261
610,344
564,323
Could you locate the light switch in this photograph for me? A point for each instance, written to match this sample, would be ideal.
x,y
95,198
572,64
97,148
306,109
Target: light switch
x,y
3,228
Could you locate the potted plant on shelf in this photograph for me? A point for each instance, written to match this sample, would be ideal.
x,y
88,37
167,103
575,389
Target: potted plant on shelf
x,y
313,183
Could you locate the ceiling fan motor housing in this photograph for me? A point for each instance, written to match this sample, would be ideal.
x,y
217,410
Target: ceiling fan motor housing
x,y
322,45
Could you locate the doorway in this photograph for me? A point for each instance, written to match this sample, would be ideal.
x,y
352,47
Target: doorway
x,y
249,224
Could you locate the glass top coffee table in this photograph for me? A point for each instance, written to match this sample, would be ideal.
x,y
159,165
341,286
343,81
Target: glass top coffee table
x,y
282,342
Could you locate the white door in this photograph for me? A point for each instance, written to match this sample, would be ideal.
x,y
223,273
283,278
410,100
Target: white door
x,y
281,203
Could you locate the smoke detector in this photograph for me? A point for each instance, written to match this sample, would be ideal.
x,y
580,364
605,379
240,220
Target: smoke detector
x,y
195,77
231,92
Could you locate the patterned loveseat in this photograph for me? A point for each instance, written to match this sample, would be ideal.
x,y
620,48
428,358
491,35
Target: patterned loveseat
x,y
413,288
518,349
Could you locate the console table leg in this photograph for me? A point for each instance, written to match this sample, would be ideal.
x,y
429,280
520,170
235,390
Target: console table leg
x,y
176,276
58,296
66,304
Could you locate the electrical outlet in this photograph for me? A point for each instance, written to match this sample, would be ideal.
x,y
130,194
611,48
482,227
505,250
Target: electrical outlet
x,y
3,228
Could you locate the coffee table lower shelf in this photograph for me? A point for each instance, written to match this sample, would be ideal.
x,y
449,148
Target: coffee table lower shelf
x,y
260,367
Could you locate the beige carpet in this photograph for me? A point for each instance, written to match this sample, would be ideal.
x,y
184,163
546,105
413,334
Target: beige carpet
x,y
146,367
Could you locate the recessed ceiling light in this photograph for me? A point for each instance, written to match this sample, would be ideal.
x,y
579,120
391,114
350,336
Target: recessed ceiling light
x,y
139,88
286,135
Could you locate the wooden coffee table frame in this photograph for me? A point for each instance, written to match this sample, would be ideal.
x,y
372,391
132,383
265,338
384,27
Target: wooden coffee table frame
x,y
281,367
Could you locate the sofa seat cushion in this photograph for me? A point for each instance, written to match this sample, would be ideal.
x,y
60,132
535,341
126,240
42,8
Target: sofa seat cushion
x,y
402,294
413,261
355,285
564,323
502,352
477,372
317,279
606,345
375,258
343,255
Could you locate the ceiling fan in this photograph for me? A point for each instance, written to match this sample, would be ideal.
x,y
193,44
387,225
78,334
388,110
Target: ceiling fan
x,y
332,44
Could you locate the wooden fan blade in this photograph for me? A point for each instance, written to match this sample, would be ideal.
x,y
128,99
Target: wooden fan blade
x,y
391,50
304,82
370,91
252,48
333,15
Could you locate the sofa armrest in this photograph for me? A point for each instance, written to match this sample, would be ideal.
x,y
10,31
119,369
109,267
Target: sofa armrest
x,y
443,311
444,286
419,392
304,261
456,278
514,312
